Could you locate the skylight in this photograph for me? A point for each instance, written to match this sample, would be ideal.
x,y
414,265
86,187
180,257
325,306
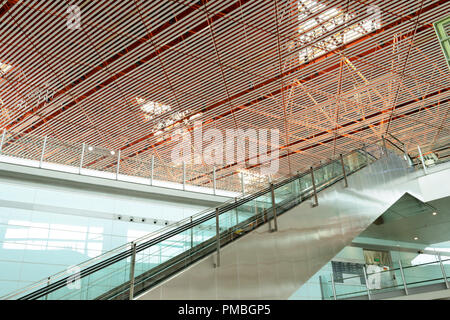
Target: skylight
x,y
169,121
152,107
314,27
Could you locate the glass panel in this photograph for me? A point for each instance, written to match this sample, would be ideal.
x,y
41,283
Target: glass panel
x,y
154,258
383,279
423,274
95,284
351,286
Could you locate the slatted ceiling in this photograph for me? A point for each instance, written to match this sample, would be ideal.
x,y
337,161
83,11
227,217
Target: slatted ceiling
x,y
229,31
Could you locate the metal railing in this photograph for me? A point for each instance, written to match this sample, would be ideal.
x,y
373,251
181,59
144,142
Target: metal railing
x,y
402,278
86,159
135,267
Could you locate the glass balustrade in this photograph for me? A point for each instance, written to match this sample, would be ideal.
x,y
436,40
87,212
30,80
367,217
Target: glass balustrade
x,y
165,252
378,280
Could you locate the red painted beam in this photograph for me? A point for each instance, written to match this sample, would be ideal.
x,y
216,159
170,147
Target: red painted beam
x,y
278,91
101,66
8,5
352,132
298,68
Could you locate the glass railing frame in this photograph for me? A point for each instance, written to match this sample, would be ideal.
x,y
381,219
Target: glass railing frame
x,y
403,285
123,252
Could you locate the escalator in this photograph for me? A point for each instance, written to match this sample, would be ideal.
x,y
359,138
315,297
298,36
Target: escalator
x,y
134,268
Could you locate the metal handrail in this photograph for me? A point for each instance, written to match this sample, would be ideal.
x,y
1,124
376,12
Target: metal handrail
x,y
401,268
153,238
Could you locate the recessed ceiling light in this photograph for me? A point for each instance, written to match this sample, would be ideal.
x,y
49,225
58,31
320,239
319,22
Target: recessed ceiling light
x,y
90,148
434,213
416,238
113,153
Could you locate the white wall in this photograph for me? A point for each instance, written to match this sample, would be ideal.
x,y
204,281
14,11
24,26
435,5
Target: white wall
x,y
46,228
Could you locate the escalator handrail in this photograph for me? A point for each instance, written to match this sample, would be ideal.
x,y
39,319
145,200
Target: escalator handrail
x,y
125,250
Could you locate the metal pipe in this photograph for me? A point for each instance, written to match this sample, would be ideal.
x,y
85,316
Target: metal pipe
x,y
82,157
366,153
192,234
43,151
384,148
333,286
236,209
214,180
217,237
274,208
407,159
184,175
367,283
421,159
343,170
403,276
48,283
3,139
443,271
133,263
151,172
316,201
118,166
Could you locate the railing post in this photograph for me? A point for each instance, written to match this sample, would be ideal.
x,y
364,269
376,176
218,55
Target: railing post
x,y
384,145
82,157
333,286
403,276
443,271
118,165
43,151
300,191
274,208
421,159
214,180
217,237
48,283
407,159
152,169
343,170
366,153
132,266
184,175
3,139
192,234
367,283
236,209
316,202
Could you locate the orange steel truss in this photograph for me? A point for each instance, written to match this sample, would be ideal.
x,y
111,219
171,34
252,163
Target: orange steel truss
x,y
330,75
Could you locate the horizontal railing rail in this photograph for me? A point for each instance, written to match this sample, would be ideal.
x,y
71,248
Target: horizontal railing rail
x,y
386,288
329,171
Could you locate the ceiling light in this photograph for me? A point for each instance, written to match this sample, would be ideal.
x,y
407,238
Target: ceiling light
x,y
157,133
90,148
434,213
4,68
152,107
113,153
416,238
195,116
